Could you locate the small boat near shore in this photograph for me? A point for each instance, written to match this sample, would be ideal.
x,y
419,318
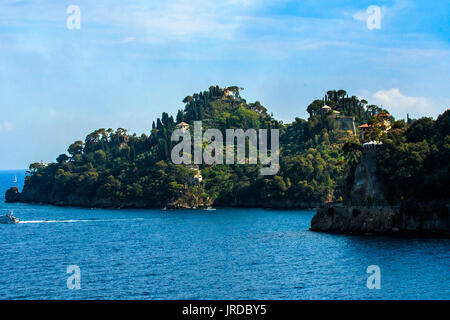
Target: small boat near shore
x,y
9,219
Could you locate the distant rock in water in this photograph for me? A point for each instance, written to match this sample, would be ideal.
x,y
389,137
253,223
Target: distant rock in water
x,y
12,195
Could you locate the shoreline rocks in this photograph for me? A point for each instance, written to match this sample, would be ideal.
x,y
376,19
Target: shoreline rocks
x,y
378,220
12,195
52,198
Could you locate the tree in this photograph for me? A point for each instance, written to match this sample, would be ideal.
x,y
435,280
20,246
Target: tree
x,y
420,130
187,99
100,157
180,116
35,167
314,108
235,91
399,124
443,124
351,151
132,154
76,148
341,93
62,158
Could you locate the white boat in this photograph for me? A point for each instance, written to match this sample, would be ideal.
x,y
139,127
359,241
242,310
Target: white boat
x,y
210,209
9,219
15,179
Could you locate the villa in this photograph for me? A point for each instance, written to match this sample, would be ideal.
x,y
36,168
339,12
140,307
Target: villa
x,y
383,122
182,125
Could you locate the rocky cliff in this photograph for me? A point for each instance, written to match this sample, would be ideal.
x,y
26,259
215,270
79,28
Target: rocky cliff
x,y
366,210
52,197
354,219
34,196
367,188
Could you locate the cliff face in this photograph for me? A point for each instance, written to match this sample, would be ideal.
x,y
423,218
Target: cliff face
x,y
367,188
354,219
366,210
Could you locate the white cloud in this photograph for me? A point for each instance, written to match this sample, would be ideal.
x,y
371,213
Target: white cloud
x,y
153,21
156,19
400,104
6,126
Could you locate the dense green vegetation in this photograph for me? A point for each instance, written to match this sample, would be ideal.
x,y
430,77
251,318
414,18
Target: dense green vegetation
x,y
115,168
348,106
414,160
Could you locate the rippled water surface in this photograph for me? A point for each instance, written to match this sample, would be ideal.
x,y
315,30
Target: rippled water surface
x,y
198,254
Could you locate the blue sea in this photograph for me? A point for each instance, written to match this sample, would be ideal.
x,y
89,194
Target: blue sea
x,y
198,254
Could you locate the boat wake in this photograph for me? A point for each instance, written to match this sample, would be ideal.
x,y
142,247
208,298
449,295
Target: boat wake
x,y
54,221
74,221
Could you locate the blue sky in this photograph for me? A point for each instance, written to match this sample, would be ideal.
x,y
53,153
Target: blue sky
x,y
132,60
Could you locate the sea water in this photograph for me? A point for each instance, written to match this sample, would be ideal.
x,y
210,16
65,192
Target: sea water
x,y
199,254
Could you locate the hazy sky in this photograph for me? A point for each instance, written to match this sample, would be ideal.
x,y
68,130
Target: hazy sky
x,y
132,60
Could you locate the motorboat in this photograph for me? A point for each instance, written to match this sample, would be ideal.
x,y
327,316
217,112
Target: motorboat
x,y
9,219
